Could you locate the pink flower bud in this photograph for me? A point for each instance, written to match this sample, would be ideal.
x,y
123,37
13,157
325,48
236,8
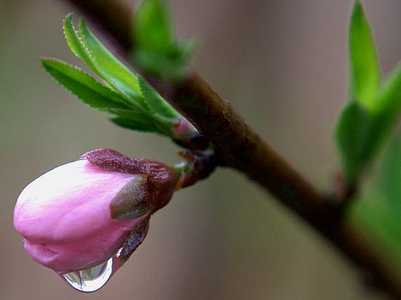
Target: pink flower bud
x,y
80,214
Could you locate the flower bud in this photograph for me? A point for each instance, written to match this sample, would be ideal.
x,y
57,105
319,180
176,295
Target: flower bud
x,y
80,214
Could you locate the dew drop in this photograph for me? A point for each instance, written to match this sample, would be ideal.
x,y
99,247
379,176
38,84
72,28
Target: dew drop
x,y
91,279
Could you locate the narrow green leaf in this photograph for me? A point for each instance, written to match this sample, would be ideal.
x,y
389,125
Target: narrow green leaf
x,y
135,124
110,68
389,98
100,97
83,86
75,43
169,65
350,137
157,50
87,47
153,29
142,122
364,64
130,114
155,102
389,176
360,136
384,117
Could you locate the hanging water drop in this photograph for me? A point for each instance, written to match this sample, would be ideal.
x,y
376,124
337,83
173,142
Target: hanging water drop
x,y
92,279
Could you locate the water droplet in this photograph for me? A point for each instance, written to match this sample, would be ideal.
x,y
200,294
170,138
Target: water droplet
x,y
92,279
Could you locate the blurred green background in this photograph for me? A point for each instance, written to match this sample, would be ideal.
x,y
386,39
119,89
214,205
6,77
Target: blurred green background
x,y
282,64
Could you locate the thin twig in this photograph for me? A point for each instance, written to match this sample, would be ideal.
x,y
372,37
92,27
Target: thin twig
x,y
238,146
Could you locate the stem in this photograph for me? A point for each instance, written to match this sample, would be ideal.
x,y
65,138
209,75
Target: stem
x,y
197,165
238,146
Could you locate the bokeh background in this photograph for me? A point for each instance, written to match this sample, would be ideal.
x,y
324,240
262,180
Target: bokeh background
x,y
281,63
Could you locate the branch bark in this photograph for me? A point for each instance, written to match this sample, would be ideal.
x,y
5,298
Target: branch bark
x,y
239,146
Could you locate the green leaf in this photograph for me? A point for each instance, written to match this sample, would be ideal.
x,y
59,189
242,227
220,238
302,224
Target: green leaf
x,y
156,103
153,30
110,68
389,98
380,223
125,98
360,136
75,43
135,124
389,176
130,114
367,122
138,121
87,47
364,65
83,86
378,207
350,137
157,51
384,117
168,65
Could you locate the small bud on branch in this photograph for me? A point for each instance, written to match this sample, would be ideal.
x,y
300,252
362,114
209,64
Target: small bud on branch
x,y
80,214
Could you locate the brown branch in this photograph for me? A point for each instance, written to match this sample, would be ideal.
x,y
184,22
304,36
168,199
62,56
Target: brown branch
x,y
238,146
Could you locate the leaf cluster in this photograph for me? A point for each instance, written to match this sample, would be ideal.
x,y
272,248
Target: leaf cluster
x,y
127,97
157,51
367,121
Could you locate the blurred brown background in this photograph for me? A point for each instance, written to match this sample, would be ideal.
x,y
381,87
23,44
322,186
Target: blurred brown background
x,y
281,63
